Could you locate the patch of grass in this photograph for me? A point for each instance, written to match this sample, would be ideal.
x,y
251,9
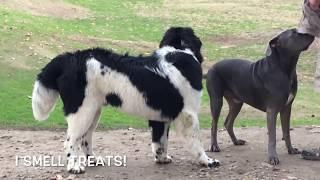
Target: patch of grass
x,y
228,29
205,122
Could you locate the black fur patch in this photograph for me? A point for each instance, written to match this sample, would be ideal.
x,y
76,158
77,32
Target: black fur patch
x,y
114,100
157,130
66,73
188,67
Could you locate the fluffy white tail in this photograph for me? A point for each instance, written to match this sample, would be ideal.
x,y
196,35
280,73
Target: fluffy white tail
x,y
43,101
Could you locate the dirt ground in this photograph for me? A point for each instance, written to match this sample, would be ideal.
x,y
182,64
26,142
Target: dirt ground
x,y
245,162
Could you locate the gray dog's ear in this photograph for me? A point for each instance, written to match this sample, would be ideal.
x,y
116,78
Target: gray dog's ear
x,y
272,44
268,51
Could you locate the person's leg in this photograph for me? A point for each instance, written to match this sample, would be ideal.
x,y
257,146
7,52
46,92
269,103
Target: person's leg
x,y
310,23
314,154
317,72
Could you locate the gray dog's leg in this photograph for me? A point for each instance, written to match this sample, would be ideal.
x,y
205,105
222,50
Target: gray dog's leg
x,y
215,92
285,114
215,105
234,109
271,123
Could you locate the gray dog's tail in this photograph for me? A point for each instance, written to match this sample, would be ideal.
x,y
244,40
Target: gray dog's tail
x,y
215,88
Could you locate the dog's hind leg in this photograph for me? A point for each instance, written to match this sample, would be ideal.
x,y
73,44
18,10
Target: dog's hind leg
x,y
160,133
187,125
285,114
215,105
215,92
78,125
86,143
234,109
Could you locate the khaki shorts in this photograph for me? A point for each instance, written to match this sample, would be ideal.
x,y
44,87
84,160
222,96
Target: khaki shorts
x,y
310,22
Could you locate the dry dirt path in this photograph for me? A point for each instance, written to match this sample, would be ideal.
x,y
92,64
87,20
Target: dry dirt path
x,y
245,162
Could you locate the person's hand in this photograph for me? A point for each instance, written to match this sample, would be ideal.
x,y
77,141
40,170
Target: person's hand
x,y
314,4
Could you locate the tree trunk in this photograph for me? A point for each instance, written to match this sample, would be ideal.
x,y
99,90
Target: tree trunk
x,y
317,73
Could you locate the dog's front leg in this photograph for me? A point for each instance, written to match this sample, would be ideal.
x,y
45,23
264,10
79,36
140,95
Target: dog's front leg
x,y
285,114
271,123
160,133
187,124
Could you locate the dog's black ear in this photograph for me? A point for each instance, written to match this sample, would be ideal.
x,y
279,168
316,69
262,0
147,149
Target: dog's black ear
x,y
170,37
272,45
163,42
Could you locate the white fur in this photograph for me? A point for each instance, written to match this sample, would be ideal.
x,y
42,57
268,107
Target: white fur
x,y
168,49
43,101
187,125
191,97
87,150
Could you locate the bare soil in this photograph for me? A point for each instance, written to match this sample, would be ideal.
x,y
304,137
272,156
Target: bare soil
x,y
238,162
53,8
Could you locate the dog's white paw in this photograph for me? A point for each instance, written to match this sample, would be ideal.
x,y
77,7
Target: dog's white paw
x,y
75,167
163,160
208,162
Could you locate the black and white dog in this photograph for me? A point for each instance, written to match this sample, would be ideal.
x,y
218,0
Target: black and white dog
x,y
164,87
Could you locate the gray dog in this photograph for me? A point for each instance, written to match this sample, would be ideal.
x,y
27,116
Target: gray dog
x,y
269,85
